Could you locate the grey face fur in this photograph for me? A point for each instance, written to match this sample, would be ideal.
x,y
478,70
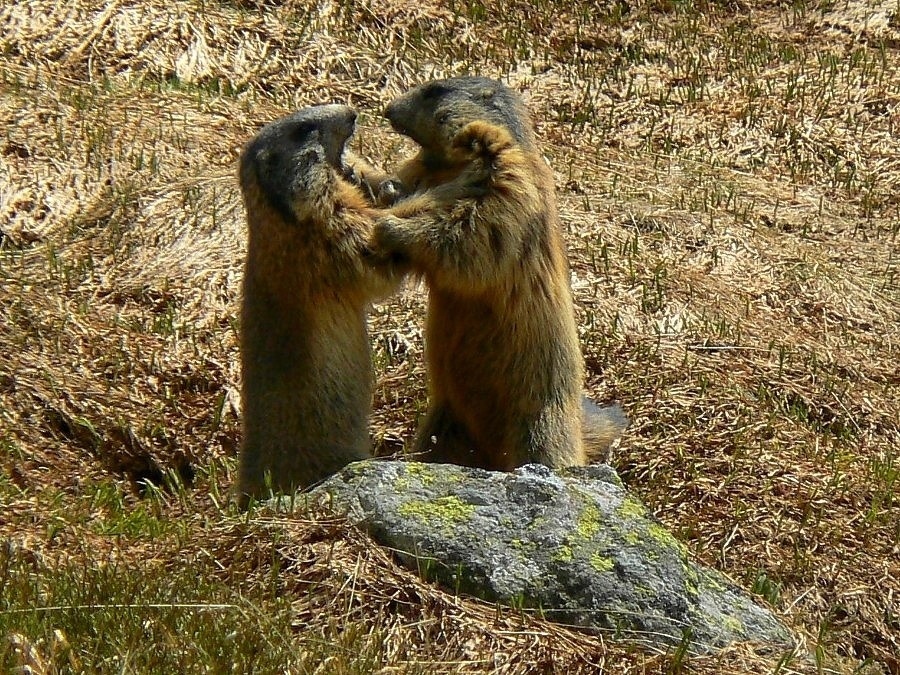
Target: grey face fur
x,y
288,157
432,113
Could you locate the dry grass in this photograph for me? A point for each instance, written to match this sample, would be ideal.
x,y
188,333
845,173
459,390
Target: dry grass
x,y
727,174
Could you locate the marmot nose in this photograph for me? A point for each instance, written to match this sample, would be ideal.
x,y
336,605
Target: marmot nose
x,y
349,114
348,120
392,113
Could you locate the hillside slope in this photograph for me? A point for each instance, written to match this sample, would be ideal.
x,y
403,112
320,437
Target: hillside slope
x,y
727,175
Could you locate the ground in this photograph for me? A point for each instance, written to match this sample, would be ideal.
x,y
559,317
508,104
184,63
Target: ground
x,y
727,174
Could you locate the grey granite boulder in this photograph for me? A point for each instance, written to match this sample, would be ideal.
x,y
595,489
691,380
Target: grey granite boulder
x,y
575,545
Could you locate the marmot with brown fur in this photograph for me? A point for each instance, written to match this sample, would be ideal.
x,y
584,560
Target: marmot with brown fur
x,y
308,281
504,363
305,355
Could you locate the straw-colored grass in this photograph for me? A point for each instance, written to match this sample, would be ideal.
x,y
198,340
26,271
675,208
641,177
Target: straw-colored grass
x,y
728,178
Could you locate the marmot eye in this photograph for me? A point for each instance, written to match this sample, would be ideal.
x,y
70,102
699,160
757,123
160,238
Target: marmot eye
x,y
443,117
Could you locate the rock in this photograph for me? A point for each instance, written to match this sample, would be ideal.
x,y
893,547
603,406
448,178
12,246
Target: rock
x,y
575,544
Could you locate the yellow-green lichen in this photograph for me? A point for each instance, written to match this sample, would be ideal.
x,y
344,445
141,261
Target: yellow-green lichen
x,y
448,510
666,539
588,522
645,592
355,470
632,537
714,582
562,554
520,545
733,624
421,471
691,579
631,509
601,563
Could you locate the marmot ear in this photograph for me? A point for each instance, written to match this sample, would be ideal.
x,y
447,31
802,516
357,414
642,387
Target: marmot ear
x,y
486,93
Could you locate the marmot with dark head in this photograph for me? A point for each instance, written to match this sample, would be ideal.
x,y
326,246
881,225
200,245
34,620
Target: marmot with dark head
x,y
307,372
430,115
308,281
504,363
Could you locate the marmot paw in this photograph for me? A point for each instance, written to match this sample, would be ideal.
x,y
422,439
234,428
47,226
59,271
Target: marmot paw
x,y
387,237
483,138
390,192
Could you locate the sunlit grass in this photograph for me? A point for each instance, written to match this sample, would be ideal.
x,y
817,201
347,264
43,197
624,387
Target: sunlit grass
x,y
726,174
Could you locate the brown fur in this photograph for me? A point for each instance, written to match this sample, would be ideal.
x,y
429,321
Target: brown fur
x,y
504,363
432,115
304,347
308,280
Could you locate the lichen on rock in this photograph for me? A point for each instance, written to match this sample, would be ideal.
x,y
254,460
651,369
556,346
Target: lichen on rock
x,y
575,544
441,511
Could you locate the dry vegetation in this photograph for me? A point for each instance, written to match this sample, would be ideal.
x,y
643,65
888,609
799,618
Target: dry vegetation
x,y
728,176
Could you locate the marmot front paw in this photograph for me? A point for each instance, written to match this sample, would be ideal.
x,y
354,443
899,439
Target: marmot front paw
x,y
387,237
483,138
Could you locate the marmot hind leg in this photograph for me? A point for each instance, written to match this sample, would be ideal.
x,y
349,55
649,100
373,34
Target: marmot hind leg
x,y
442,439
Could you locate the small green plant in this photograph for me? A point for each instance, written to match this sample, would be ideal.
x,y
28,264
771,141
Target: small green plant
x,y
679,658
767,587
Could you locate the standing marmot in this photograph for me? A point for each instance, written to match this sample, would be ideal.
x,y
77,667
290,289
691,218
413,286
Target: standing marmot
x,y
308,280
504,362
307,374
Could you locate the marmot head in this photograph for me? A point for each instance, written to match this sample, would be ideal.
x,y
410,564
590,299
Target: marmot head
x,y
293,161
432,113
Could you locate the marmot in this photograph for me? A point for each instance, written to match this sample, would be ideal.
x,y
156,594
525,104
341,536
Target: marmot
x,y
431,115
305,354
308,280
504,363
